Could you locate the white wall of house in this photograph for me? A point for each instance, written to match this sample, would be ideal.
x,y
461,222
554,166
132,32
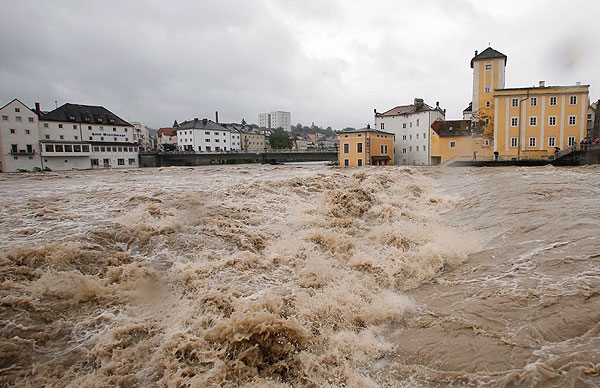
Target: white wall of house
x,y
412,143
19,138
208,140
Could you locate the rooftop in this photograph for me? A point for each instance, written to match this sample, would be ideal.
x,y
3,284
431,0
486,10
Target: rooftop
x,y
77,113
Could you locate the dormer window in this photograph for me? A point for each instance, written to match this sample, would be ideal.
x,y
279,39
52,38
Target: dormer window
x,y
72,118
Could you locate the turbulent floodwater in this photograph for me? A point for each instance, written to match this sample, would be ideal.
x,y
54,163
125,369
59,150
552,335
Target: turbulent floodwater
x,y
304,276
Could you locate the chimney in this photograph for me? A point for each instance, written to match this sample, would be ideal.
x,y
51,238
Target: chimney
x,y
368,126
578,83
475,52
204,121
195,118
542,84
217,117
37,109
437,104
418,103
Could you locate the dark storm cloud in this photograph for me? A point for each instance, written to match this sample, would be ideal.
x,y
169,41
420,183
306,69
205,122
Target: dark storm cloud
x,y
328,62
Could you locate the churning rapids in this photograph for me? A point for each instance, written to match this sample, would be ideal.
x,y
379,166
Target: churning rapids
x,y
301,276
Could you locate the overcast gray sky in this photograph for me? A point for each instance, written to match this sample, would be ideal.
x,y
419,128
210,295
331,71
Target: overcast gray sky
x,y
330,62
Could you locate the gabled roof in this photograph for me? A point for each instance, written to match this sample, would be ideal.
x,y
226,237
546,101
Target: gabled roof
x,y
202,124
168,131
84,114
488,53
452,127
402,110
19,101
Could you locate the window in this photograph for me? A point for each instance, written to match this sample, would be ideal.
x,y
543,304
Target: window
x,y
17,109
49,147
404,125
45,125
573,100
31,120
27,132
533,101
85,148
410,124
571,140
488,66
403,150
359,147
384,148
488,104
409,137
19,119
68,148
533,121
424,135
207,140
553,101
14,148
115,139
552,141
346,148
514,121
346,162
62,137
4,118
487,121
13,131
381,126
115,130
132,161
486,143
452,144
59,125
121,162
532,141
515,102
77,148
572,120
90,127
206,133
418,123
59,148
410,148
94,162
403,137
552,120
514,142
417,148
74,126
359,162
417,135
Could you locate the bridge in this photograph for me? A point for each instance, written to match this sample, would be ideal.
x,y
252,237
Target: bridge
x,y
191,158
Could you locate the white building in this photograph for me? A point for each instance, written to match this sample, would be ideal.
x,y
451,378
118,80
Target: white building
x,y
410,124
275,120
77,136
19,138
207,136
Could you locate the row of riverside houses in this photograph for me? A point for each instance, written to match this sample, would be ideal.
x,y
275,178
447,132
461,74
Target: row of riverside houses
x,y
500,123
70,137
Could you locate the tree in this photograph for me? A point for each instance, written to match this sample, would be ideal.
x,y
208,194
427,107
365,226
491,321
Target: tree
x,y
279,139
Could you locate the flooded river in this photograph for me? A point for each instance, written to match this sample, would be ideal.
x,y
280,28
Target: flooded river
x,y
301,276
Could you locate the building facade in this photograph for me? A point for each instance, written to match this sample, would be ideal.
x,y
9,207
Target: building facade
x,y
365,147
276,119
538,121
19,138
456,139
410,124
75,136
207,136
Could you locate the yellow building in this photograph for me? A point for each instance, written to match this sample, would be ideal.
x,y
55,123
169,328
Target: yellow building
x,y
366,147
457,139
537,121
489,69
530,122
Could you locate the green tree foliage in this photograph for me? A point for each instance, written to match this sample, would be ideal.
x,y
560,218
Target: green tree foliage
x,y
303,129
279,139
